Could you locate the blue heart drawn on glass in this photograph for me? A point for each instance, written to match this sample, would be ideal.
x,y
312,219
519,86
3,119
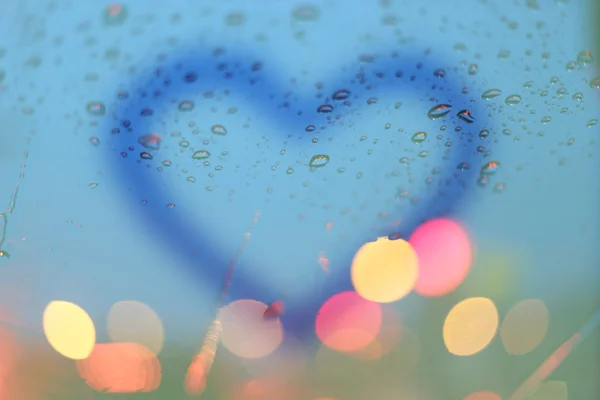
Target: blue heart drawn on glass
x,y
368,185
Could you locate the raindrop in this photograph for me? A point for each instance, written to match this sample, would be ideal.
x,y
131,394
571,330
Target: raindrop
x,y
473,69
463,166
466,116
419,137
578,96
318,161
95,141
570,141
513,100
584,57
342,94
218,130
439,111
546,119
306,13
186,105
423,154
201,155
440,73
95,108
571,66
191,179
490,168
595,83
150,141
145,155
146,112
93,185
484,133
325,108
310,128
289,171
115,14
167,163
591,122
404,160
491,94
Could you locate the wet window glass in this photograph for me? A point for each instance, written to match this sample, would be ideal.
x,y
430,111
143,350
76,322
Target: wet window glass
x,y
299,200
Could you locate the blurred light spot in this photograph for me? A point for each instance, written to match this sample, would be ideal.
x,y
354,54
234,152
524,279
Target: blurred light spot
x,y
9,354
384,270
470,326
524,327
483,396
287,362
387,337
347,322
69,329
195,377
263,389
132,321
444,255
121,368
246,333
551,390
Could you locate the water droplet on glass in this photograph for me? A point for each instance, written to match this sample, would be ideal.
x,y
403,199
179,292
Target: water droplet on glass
x,y
95,108
491,94
325,108
595,83
439,111
342,94
584,57
404,160
310,128
466,116
591,122
289,171
186,105
423,154
201,155
484,133
473,69
419,137
499,188
95,141
490,168
191,179
145,155
219,130
93,185
318,161
115,14
150,141
463,166
571,66
306,13
440,73
167,163
570,141
146,112
546,119
578,96
513,100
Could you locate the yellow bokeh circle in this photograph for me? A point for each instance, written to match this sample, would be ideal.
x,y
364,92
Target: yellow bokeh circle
x,y
69,329
470,326
385,270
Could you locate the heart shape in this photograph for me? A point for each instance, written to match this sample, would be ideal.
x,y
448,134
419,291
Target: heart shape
x,y
248,165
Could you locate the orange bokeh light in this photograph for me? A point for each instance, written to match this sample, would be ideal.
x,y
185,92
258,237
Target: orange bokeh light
x,y
483,396
347,322
445,255
121,368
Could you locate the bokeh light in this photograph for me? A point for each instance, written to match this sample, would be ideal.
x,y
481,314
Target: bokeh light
x,y
384,270
132,321
69,329
444,255
483,396
387,337
287,362
265,388
121,368
551,390
246,333
470,326
347,322
524,326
